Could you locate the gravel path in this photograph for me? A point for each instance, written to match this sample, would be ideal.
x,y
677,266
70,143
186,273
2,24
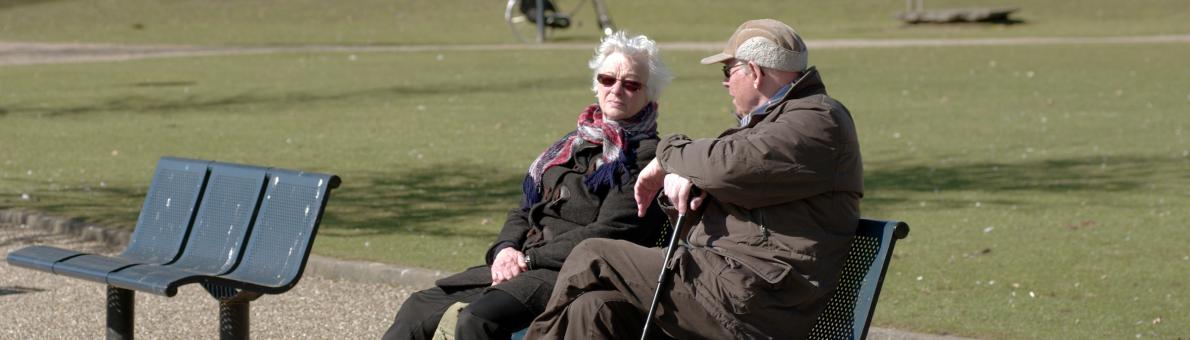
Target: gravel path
x,y
27,53
37,305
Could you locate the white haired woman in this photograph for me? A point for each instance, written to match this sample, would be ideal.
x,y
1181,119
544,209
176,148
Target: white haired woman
x,y
580,187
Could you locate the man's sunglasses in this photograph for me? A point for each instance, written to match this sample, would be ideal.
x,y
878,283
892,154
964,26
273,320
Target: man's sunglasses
x,y
609,81
728,67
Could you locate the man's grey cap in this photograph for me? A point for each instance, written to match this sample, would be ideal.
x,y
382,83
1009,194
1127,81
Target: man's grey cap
x,y
766,42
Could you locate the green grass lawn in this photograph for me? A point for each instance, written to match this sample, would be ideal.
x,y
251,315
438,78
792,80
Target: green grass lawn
x,y
404,22
1045,186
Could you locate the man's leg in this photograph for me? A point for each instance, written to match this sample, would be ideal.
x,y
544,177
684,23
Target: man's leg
x,y
420,313
601,314
611,279
631,271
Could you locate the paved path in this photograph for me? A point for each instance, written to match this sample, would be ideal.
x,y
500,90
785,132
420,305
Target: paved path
x,y
324,305
27,53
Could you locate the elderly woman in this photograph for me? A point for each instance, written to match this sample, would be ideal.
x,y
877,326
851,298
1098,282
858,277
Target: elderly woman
x,y
580,187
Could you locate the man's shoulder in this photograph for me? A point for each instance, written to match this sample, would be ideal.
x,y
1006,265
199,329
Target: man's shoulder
x,y
818,104
815,101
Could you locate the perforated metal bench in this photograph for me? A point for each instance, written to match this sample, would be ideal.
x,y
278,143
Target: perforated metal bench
x,y
238,230
849,312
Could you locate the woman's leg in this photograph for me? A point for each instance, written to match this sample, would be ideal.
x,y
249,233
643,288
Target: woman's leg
x,y
494,315
420,313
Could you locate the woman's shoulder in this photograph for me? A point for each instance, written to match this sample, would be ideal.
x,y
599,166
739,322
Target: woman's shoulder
x,y
645,150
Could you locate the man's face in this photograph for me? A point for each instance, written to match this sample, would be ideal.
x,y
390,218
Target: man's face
x,y
740,85
621,89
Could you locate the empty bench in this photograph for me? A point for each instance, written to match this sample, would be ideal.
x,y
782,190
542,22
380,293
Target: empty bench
x,y
240,231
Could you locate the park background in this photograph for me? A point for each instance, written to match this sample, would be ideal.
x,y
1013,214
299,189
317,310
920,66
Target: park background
x,y
1045,181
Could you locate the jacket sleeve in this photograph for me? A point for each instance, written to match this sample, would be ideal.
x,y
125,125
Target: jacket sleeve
x,y
787,159
616,220
516,226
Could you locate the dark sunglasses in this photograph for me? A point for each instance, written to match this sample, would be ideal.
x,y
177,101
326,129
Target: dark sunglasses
x,y
609,81
728,67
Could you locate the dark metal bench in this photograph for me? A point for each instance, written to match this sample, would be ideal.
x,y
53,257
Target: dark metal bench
x,y
849,312
238,230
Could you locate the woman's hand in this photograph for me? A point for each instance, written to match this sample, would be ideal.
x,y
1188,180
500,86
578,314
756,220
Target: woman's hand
x,y
508,264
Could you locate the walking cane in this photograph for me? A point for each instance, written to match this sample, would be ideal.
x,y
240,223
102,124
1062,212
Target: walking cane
x,y
665,268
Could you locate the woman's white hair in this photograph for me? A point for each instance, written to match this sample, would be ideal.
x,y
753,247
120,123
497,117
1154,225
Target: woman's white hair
x,y
638,48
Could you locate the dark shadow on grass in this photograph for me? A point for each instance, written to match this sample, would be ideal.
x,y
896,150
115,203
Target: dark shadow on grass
x,y
10,4
395,200
415,201
1077,176
1110,174
168,105
449,200
891,186
112,207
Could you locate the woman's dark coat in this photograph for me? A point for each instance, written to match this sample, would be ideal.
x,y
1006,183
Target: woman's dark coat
x,y
567,214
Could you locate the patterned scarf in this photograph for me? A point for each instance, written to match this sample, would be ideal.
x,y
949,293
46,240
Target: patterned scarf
x,y
614,136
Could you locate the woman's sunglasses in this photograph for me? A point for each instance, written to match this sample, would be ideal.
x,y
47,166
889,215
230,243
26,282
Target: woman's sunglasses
x,y
609,81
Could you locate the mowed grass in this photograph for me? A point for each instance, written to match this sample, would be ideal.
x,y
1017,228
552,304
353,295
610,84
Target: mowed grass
x,y
410,22
1046,186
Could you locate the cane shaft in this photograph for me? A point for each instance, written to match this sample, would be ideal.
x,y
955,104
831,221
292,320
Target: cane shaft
x,y
665,273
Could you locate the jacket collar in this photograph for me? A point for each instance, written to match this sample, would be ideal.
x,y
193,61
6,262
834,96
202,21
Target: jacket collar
x,y
808,84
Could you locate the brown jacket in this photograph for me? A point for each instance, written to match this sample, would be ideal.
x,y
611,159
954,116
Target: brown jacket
x,y
784,203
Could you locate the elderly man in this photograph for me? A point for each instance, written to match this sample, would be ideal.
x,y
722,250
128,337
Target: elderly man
x,y
780,203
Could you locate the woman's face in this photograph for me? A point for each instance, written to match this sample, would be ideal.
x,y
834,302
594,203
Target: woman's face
x,y
621,89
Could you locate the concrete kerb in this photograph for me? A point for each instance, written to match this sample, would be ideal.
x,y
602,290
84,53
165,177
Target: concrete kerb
x,y
334,269
372,272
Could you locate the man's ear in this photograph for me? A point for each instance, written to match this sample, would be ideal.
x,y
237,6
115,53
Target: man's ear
x,y
757,74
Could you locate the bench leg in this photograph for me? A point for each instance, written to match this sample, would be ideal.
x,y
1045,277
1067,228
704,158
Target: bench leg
x,y
120,304
233,319
233,310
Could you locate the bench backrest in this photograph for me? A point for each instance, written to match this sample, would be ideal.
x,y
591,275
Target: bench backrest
x,y
849,311
168,210
288,220
224,218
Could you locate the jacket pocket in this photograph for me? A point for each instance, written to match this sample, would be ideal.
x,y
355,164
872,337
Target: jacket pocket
x,y
737,286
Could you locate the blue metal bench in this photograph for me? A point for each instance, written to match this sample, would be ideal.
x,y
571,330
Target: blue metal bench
x,y
238,230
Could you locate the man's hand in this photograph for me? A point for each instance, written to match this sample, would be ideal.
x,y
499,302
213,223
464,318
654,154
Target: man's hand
x,y
648,183
678,189
508,264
